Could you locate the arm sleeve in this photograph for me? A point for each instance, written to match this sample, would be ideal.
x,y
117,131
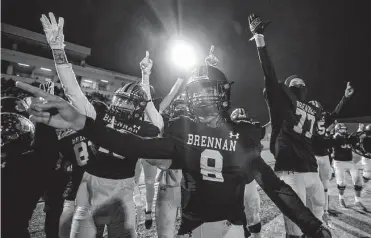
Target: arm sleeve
x,y
334,114
73,91
126,144
273,90
285,198
151,112
172,94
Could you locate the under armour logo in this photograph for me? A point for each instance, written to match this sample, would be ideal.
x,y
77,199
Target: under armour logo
x,y
231,135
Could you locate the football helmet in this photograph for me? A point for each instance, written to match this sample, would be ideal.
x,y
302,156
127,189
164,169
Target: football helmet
x,y
368,127
14,105
129,102
341,128
208,91
239,114
17,133
179,107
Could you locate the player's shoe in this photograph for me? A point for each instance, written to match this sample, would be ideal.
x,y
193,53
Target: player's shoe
x,y
342,203
360,206
148,219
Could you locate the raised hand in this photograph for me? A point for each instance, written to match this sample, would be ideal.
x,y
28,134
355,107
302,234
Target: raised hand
x,y
256,25
66,117
211,59
146,64
53,31
349,90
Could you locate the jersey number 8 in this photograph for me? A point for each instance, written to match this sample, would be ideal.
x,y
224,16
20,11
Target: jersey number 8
x,y
81,153
211,164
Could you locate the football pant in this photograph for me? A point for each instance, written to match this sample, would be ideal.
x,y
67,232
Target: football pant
x,y
341,167
307,186
366,163
252,204
102,201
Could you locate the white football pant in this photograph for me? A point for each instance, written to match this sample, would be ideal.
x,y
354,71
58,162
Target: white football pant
x,y
341,167
252,204
168,202
324,168
307,186
150,173
102,201
219,229
366,163
65,219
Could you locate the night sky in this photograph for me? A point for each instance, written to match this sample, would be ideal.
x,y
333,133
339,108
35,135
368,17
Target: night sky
x,y
326,42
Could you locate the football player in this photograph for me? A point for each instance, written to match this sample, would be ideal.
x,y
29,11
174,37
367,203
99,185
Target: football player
x,y
168,194
321,150
217,157
251,196
72,146
293,121
366,161
29,156
112,200
343,162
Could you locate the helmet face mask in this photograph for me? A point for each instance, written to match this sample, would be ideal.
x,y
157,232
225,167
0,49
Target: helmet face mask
x,y
341,128
129,102
207,92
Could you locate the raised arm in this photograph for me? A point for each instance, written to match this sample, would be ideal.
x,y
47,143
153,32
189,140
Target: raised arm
x,y
272,86
55,38
286,199
172,94
151,112
334,114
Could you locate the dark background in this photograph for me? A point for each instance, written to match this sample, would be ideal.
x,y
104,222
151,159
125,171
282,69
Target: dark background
x,y
326,42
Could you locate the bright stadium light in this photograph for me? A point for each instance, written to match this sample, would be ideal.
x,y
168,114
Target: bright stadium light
x,y
88,81
25,65
104,81
183,54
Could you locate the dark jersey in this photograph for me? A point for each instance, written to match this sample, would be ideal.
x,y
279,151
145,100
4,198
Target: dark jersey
x,y
76,153
107,164
343,151
216,164
326,119
292,123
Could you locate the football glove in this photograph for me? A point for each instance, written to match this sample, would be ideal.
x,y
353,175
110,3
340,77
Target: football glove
x,y
257,26
322,232
53,31
146,64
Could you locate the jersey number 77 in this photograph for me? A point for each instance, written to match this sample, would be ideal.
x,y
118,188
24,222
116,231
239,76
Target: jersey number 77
x,y
304,119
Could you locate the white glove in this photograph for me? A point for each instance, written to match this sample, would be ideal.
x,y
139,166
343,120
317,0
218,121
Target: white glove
x,y
146,64
211,59
53,31
349,90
